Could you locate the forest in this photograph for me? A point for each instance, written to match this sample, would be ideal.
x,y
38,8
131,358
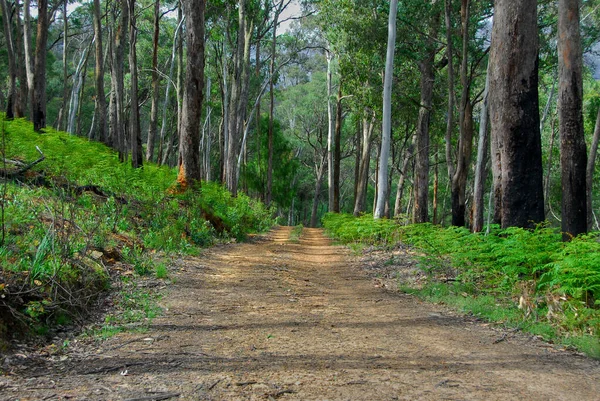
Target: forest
x,y
295,117
163,125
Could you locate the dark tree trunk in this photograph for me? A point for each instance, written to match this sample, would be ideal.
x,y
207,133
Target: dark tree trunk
x,y
480,167
22,95
421,212
137,157
189,137
318,183
364,165
514,109
117,121
39,69
11,97
153,127
100,106
573,155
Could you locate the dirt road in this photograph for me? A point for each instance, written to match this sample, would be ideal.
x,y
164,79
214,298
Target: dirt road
x,y
271,319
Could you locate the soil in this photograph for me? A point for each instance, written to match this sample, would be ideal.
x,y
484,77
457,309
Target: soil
x,y
275,319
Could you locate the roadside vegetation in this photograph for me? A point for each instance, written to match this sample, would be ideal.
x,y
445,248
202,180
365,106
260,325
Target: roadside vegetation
x,y
78,222
524,279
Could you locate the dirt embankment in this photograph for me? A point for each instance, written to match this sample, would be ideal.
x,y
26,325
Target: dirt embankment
x,y
272,319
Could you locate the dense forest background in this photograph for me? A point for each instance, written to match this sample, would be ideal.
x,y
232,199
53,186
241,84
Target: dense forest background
x,y
294,116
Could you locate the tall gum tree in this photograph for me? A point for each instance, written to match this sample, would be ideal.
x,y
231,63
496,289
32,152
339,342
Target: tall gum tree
x,y
514,116
573,157
193,95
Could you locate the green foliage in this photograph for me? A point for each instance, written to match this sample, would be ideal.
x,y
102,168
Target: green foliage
x,y
68,214
556,285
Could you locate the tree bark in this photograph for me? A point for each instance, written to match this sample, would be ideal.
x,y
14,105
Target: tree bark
x,y
480,170
330,130
382,190
39,69
189,141
28,54
450,117
137,157
117,120
591,164
319,180
368,125
100,106
573,154
63,107
337,152
153,127
12,67
402,177
270,134
514,110
421,213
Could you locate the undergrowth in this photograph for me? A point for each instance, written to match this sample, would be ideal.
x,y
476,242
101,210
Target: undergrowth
x,y
527,279
80,219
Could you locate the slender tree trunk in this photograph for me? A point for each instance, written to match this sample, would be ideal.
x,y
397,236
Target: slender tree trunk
x,y
163,127
591,164
337,153
319,180
330,131
269,196
12,67
450,118
137,157
189,141
39,71
386,133
421,213
515,111
21,106
29,59
480,170
573,155
402,177
117,81
465,145
153,127
100,106
63,107
78,77
365,159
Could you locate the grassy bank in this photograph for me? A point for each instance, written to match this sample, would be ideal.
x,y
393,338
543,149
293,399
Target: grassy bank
x,y
80,219
524,279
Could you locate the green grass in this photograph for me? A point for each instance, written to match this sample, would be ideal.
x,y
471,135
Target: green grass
x,y
488,276
56,227
296,233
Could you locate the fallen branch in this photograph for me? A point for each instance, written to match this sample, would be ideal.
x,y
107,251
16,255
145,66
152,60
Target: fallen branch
x,y
22,166
156,397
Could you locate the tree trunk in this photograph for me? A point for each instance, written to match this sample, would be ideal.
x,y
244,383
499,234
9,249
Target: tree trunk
x,y
163,127
421,213
337,153
368,126
515,111
189,138
100,106
465,143
402,178
76,92
330,131
450,117
39,69
480,170
21,105
573,155
153,127
117,81
12,67
591,164
386,133
269,196
319,180
63,107
29,67
137,157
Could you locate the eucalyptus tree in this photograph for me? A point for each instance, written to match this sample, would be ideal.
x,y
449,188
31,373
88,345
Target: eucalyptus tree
x,y
189,136
39,67
573,155
12,66
514,111
100,106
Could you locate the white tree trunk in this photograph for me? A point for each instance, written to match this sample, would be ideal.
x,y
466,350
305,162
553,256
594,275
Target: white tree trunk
x,y
387,113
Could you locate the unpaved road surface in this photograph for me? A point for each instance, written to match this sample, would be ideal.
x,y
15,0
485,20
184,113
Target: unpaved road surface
x,y
271,319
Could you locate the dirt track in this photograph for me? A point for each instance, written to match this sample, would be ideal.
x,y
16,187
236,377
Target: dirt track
x,y
272,319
